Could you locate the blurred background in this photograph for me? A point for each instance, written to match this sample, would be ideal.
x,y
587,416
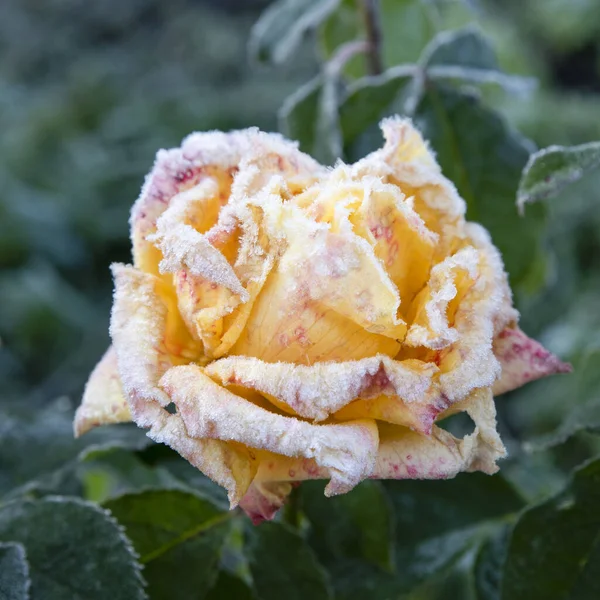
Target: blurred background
x,y
90,90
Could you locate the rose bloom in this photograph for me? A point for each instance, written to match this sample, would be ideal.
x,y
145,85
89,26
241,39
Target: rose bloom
x,y
284,321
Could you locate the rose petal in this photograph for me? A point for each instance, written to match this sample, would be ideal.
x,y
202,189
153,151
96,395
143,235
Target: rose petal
x,y
264,498
406,161
142,337
522,359
209,411
103,400
381,215
435,307
407,455
396,390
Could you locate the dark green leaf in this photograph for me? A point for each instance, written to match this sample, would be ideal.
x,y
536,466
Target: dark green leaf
x,y
583,395
75,550
437,521
283,565
465,47
282,26
550,170
178,535
355,525
466,55
230,587
47,434
489,565
484,158
14,572
372,98
310,116
554,550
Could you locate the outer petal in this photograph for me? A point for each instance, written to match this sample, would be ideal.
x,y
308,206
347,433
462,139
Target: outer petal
x,y
400,392
522,360
347,450
264,498
409,455
141,336
103,400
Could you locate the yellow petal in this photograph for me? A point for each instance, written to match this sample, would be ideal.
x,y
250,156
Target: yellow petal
x,y
346,450
103,400
318,391
405,454
522,360
433,311
139,329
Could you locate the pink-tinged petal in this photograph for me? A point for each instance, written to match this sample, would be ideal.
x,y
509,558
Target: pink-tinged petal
x,y
141,329
407,162
522,360
484,308
103,399
318,391
218,157
405,454
209,411
264,499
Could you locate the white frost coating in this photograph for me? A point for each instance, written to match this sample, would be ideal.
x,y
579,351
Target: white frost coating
x,y
103,399
437,333
317,391
138,324
485,309
347,450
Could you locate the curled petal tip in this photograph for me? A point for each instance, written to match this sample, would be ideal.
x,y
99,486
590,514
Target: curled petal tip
x,y
522,360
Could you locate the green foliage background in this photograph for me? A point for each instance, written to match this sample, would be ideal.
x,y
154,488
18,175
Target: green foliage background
x,y
90,90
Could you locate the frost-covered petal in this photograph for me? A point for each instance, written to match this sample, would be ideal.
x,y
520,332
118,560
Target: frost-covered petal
x,y
406,161
103,399
522,360
318,391
405,454
433,311
264,498
143,341
346,450
384,217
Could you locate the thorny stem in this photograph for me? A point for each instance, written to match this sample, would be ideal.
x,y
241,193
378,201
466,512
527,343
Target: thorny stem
x,y
372,20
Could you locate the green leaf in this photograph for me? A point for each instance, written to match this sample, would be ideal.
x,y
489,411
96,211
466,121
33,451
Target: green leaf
x,y
282,26
371,98
310,116
549,171
466,55
230,587
178,535
47,434
437,521
75,550
584,413
489,565
554,550
14,572
358,524
283,565
484,158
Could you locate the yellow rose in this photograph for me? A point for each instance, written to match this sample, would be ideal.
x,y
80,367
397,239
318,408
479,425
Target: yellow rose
x,y
301,322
